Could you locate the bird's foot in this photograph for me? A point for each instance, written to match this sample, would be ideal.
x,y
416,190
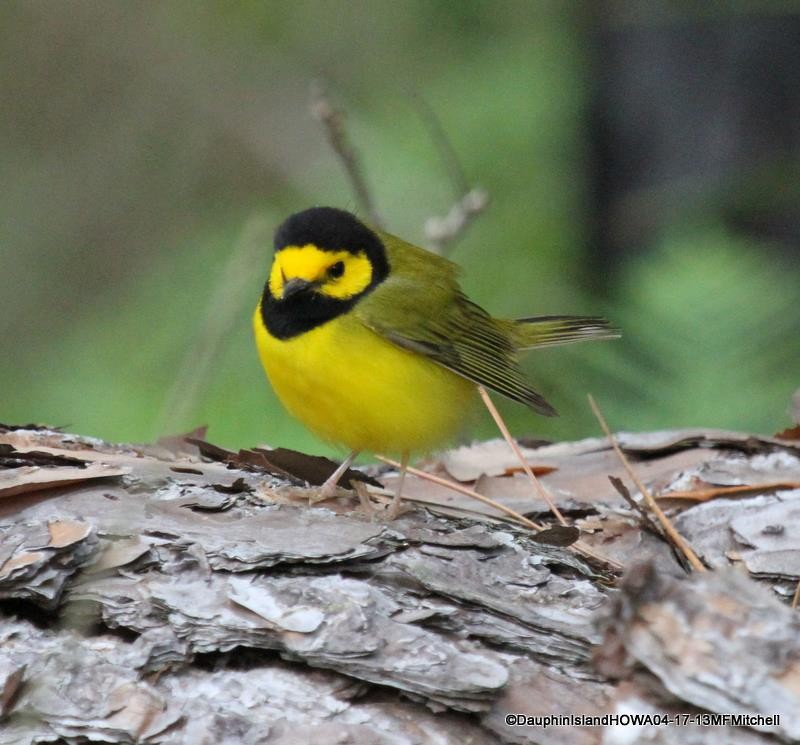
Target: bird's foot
x,y
367,507
328,490
331,488
396,508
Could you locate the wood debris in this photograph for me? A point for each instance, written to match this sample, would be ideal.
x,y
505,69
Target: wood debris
x,y
170,597
716,640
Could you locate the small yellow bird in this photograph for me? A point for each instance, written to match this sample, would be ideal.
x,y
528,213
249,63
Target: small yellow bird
x,y
370,342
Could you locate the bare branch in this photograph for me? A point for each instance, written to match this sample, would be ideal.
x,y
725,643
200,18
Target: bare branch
x,y
441,141
443,231
470,201
332,119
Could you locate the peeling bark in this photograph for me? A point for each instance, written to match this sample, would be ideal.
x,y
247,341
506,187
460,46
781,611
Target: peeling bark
x,y
167,598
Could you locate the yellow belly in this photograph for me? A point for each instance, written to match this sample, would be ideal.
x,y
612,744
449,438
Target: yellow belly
x,y
350,386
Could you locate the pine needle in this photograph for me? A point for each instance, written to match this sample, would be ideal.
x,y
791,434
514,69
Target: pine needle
x,y
501,425
674,536
464,490
704,495
578,546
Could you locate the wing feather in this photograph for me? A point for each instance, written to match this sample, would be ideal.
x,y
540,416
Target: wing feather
x,y
434,318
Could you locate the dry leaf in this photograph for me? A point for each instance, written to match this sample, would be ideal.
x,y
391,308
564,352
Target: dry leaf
x,y
291,464
33,478
792,433
313,469
558,535
493,458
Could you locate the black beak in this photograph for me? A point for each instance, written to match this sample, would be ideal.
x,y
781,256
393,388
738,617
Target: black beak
x,y
294,287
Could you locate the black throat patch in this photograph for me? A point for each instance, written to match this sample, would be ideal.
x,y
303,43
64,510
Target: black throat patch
x,y
299,313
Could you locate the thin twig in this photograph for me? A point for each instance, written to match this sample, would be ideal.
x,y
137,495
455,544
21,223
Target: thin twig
x,y
703,495
470,201
579,546
441,141
222,314
332,119
676,538
796,598
644,516
464,490
501,425
537,485
442,232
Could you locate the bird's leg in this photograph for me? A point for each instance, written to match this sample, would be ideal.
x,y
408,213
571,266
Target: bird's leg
x,y
394,507
360,488
328,489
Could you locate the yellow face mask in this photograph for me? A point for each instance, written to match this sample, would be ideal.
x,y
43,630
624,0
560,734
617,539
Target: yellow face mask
x,y
337,274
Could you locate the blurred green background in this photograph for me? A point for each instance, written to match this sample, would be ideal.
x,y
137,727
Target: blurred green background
x,y
642,164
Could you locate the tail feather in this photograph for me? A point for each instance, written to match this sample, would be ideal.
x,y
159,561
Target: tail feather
x,y
549,331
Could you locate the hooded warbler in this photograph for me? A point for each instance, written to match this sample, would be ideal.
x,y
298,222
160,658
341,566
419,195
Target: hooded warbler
x,y
370,342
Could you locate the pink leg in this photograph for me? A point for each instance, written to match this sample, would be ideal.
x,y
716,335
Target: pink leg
x,y
394,507
328,489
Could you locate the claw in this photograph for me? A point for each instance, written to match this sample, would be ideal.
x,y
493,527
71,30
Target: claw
x,y
396,507
330,488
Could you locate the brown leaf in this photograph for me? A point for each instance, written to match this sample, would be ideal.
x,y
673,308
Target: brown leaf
x,y
32,478
10,457
558,535
237,487
532,442
186,469
314,469
518,493
210,451
791,433
537,470
33,427
653,444
290,464
492,458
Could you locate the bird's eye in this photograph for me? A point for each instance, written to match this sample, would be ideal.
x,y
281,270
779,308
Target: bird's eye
x,y
336,270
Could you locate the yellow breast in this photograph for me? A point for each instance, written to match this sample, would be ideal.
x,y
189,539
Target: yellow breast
x,y
350,386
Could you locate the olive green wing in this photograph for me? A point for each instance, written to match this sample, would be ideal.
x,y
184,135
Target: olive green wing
x,y
420,307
